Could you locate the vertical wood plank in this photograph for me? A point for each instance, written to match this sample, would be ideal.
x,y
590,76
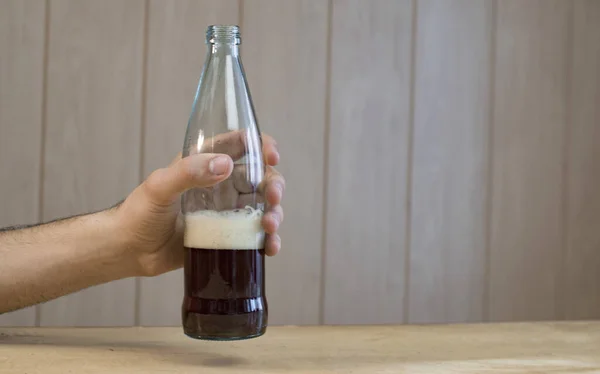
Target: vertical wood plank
x,y
448,231
93,133
528,151
176,52
21,94
368,158
582,275
284,50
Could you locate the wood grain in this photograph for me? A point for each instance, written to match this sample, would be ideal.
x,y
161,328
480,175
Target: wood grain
x,y
582,276
21,94
368,158
462,349
527,219
284,50
93,133
176,52
449,182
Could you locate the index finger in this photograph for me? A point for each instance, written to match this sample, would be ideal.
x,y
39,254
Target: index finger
x,y
234,144
270,150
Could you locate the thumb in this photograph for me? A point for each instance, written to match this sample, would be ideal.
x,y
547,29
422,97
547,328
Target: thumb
x,y
165,185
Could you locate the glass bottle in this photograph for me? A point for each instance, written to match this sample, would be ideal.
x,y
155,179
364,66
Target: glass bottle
x,y
224,266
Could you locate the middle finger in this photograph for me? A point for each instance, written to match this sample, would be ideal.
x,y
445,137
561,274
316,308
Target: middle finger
x,y
272,186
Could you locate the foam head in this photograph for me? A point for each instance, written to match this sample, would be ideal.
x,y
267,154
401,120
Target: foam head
x,y
230,229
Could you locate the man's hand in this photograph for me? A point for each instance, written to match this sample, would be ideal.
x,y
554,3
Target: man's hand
x,y
143,236
150,220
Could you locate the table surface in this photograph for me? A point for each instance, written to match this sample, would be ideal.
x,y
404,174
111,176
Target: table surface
x,y
565,347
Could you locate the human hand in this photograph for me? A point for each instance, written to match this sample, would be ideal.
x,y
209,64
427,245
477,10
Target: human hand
x,y
150,218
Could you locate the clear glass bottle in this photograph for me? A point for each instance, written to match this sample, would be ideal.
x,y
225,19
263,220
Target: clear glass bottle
x,y
224,265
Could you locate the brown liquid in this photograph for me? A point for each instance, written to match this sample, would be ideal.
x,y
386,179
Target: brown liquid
x,y
224,294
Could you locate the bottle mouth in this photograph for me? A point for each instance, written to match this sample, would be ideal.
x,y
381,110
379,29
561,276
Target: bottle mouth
x,y
225,34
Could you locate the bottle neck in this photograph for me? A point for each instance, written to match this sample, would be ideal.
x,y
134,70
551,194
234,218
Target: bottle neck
x,y
224,49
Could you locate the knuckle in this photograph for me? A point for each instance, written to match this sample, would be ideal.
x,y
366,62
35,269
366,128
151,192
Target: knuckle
x,y
280,181
278,213
187,172
153,190
152,184
274,173
268,139
150,266
194,170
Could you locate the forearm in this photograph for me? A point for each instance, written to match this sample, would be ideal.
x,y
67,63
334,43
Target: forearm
x,y
44,262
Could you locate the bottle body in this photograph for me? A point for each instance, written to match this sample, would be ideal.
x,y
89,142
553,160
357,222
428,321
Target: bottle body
x,y
224,274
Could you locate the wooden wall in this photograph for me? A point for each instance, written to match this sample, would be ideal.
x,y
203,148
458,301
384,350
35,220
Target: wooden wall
x,y
442,156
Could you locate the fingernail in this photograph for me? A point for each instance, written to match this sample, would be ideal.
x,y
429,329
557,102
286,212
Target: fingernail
x,y
218,165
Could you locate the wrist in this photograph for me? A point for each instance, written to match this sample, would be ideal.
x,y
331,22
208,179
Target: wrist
x,y
120,252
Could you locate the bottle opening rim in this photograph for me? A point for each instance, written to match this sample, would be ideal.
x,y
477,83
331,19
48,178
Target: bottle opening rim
x,y
226,34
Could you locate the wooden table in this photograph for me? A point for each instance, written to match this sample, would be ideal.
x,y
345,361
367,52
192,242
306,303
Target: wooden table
x,y
484,348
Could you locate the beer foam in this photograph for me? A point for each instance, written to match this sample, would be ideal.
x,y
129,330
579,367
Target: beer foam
x,y
229,229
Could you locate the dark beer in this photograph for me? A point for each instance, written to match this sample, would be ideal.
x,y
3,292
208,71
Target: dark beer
x,y
224,275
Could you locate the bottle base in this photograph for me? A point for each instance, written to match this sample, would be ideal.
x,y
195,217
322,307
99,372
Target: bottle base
x,y
224,327
223,338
